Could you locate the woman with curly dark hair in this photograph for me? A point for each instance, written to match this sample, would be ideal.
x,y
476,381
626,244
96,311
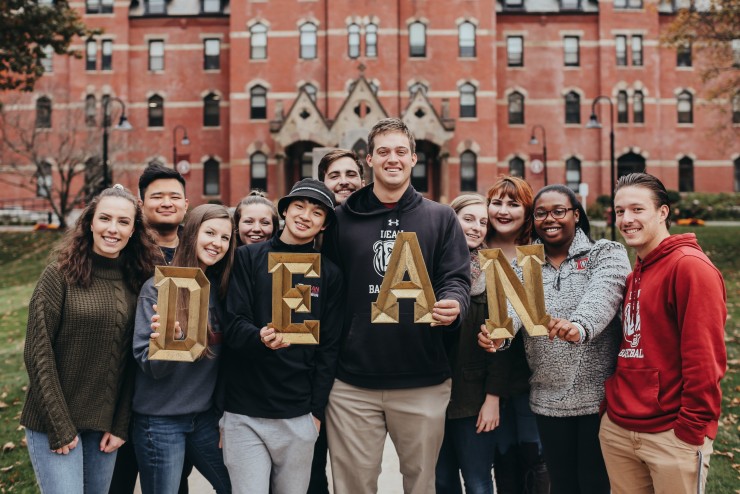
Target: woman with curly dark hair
x,y
78,340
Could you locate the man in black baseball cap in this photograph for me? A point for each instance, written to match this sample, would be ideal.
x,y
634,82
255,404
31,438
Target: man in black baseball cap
x,y
272,419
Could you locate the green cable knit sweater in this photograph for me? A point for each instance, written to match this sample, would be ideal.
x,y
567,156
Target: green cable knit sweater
x,y
78,354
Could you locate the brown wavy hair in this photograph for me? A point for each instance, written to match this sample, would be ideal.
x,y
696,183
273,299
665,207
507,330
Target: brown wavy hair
x,y
521,192
74,253
186,255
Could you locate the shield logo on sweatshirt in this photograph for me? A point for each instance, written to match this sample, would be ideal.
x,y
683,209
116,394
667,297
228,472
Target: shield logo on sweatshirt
x,y
382,250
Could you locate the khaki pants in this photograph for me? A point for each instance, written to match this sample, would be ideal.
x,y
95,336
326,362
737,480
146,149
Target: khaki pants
x,y
357,420
660,463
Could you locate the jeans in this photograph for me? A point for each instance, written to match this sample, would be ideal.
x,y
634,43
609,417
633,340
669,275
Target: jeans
x,y
85,469
518,424
162,443
467,452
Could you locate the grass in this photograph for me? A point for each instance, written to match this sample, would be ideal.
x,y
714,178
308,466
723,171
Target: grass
x,y
23,257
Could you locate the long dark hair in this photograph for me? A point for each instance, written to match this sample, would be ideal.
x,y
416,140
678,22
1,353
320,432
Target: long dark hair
x,y
186,255
74,253
582,222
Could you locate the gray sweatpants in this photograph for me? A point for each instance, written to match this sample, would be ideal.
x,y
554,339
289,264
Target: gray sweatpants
x,y
268,454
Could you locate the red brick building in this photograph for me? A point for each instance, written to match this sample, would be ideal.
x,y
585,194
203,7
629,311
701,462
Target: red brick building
x,y
256,85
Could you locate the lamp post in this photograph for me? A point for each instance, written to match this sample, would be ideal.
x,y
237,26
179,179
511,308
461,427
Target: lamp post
x,y
534,142
185,141
123,124
593,123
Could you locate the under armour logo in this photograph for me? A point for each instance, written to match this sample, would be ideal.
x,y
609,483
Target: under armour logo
x,y
394,222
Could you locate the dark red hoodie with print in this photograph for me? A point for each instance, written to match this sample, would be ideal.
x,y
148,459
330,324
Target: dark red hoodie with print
x,y
672,355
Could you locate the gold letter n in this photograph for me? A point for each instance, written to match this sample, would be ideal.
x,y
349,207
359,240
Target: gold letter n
x,y
502,283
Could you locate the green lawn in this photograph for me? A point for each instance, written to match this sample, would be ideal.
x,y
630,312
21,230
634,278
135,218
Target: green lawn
x,y
23,257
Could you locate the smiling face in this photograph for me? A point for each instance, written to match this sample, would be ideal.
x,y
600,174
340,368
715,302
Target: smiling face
x,y
556,232
303,221
112,226
255,224
506,216
641,223
213,241
343,177
164,204
474,220
391,161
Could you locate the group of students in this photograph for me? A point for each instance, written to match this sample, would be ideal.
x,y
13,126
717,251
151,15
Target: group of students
x,y
248,413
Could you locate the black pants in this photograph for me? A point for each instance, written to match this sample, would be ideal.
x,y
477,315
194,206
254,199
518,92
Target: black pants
x,y
573,454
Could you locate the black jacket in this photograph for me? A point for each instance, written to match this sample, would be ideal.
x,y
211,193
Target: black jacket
x,y
292,381
403,355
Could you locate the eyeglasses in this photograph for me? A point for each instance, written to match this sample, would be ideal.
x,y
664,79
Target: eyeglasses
x,y
557,213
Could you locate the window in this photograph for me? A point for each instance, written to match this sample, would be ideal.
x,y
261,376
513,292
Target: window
x,y
90,110
570,5
638,107
685,107
686,174
353,41
156,111
420,172
91,54
211,111
627,4
417,40
156,55
573,173
46,3
571,51
211,176
43,113
516,167
418,86
621,44
515,51
736,53
514,4
211,54
637,50
622,115
211,6
98,6
311,91
258,171
467,101
258,103
683,55
736,164
48,61
572,108
155,7
258,42
306,165
516,108
468,171
736,108
106,60
44,180
308,41
466,39
371,40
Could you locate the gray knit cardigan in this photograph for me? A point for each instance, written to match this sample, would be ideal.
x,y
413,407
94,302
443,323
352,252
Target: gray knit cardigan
x,y
588,288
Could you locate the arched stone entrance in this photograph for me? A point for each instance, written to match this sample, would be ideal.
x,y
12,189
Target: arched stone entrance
x,y
630,163
298,162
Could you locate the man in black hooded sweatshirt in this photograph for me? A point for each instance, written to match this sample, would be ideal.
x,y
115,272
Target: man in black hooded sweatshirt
x,y
392,378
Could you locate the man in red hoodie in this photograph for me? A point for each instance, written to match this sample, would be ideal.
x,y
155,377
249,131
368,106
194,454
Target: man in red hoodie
x,y
663,401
